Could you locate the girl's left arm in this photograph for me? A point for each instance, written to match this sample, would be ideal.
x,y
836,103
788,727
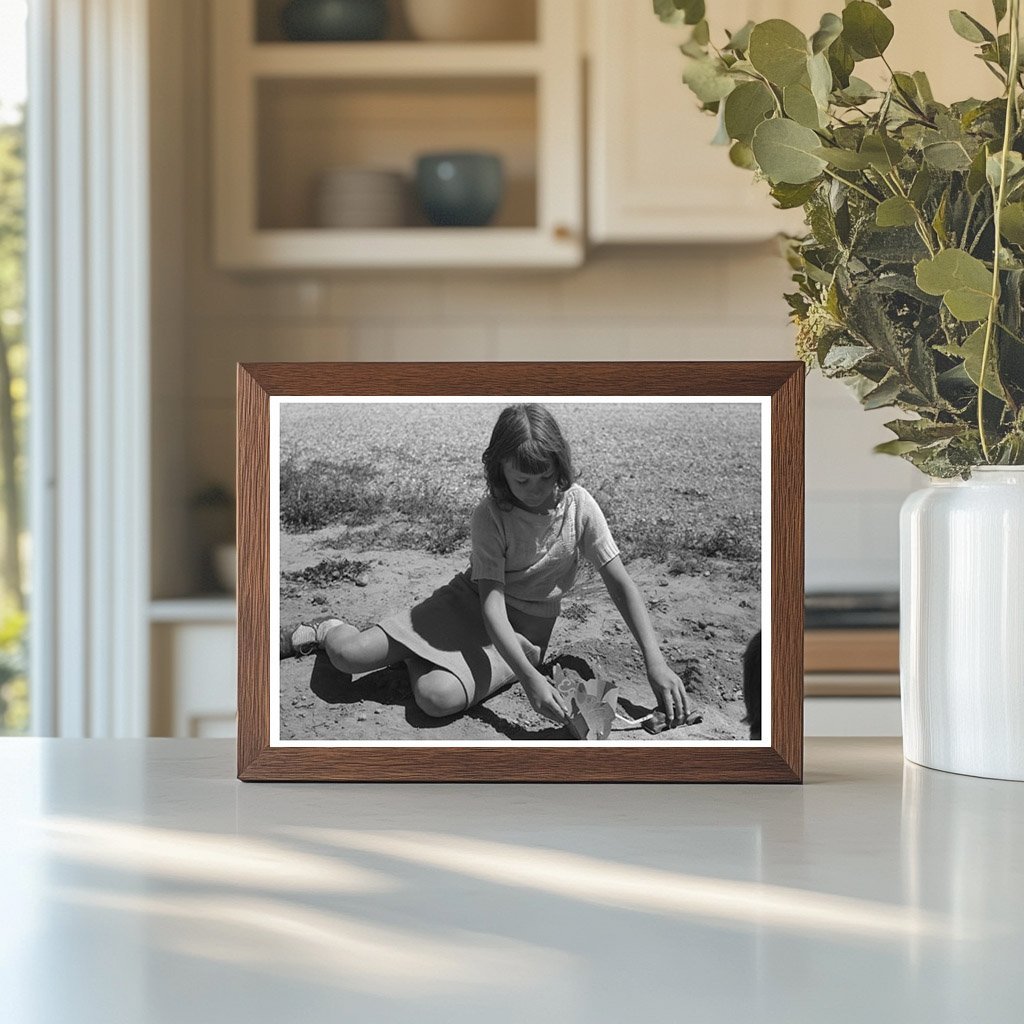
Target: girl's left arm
x,y
666,685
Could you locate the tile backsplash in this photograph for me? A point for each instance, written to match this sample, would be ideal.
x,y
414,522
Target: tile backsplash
x,y
716,302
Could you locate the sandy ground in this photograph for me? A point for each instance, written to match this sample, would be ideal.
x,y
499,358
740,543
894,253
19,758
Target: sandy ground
x,y
703,621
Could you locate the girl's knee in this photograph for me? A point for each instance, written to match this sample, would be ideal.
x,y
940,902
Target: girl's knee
x,y
346,649
439,694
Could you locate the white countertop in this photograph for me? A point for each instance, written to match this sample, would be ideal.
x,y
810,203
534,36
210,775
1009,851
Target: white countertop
x,y
144,885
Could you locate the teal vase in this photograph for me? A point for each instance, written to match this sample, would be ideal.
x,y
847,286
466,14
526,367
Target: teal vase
x,y
333,21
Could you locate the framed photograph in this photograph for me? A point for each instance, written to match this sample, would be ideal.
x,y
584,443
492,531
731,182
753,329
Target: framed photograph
x,y
561,572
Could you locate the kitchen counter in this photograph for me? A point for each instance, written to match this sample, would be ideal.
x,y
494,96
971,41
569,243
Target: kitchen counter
x,y
144,884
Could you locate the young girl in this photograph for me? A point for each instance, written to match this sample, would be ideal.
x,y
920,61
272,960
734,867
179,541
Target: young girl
x,y
491,624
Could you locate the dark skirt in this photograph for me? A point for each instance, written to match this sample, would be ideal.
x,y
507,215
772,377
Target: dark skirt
x,y
447,629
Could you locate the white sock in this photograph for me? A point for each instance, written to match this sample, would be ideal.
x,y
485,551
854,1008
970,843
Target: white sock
x,y
323,628
303,636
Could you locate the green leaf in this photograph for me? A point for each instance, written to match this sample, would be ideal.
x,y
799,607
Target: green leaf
x,y
976,175
923,431
1011,226
721,136
999,6
971,352
895,213
830,29
1014,169
963,281
741,155
885,394
844,159
785,152
939,220
883,153
924,88
800,105
906,88
946,156
789,197
701,33
778,50
921,185
968,28
707,80
739,41
676,12
858,91
820,75
895,447
866,29
841,60
745,108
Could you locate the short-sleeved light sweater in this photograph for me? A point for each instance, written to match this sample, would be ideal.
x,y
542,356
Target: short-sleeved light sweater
x,y
536,554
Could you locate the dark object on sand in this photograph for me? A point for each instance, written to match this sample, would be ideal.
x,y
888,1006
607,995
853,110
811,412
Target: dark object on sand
x,y
752,685
657,722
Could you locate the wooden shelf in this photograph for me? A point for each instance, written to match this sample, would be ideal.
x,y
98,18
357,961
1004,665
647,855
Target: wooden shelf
x,y
401,247
852,650
393,60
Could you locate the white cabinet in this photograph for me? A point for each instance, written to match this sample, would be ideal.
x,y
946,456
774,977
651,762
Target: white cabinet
x,y
193,673
286,113
653,175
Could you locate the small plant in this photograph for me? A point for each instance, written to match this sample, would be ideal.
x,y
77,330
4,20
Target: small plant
x,y
910,280
592,702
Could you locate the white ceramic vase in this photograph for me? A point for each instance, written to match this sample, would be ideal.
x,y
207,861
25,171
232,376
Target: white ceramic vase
x,y
962,624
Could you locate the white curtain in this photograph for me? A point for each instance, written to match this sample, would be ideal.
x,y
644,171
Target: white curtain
x,y
88,320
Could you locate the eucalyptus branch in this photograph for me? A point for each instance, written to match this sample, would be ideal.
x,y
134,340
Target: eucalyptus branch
x,y
969,217
1012,334
977,238
771,89
854,186
993,308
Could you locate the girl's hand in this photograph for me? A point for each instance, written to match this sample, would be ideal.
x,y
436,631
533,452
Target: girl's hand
x,y
546,700
669,690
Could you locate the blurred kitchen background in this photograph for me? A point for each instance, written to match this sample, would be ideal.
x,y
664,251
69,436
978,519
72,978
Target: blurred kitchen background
x,y
620,234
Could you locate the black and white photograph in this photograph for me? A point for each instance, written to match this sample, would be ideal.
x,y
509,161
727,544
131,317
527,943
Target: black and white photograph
x,y
548,570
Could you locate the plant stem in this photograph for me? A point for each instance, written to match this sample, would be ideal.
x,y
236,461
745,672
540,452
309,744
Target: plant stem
x,y
1012,334
855,187
993,308
922,225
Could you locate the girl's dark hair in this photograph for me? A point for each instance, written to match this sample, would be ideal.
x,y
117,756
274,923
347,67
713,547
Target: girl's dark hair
x,y
530,436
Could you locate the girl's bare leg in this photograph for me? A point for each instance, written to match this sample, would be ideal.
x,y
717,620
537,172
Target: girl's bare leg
x,y
437,691
354,651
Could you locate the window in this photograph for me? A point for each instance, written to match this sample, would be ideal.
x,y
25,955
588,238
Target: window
x,y
14,549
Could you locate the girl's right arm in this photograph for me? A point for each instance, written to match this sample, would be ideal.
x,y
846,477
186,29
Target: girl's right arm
x,y
544,698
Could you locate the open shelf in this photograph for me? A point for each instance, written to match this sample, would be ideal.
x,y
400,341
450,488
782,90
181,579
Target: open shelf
x,y
288,113
308,127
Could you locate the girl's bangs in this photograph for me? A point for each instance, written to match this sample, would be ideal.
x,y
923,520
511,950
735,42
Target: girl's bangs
x,y
532,457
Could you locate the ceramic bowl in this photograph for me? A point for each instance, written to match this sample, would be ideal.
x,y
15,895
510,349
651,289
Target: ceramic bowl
x,y
470,20
460,189
334,20
360,197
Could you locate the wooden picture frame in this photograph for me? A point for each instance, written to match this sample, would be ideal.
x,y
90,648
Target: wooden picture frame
x,y
777,388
